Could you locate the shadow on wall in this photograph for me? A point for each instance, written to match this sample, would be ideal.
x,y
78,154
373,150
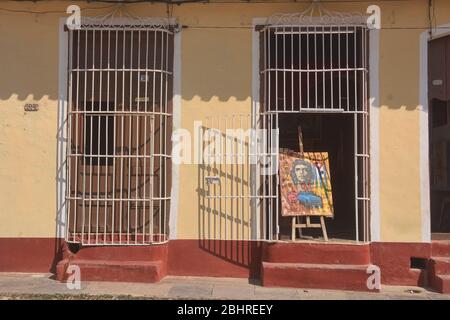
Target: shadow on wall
x,y
215,64
224,202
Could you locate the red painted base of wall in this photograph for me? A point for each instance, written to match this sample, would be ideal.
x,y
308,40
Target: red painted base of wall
x,y
242,259
315,252
394,260
214,258
439,266
30,254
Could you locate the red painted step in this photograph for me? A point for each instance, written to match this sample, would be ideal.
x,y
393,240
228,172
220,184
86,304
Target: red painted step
x,y
440,249
315,276
440,265
123,253
440,283
114,270
317,253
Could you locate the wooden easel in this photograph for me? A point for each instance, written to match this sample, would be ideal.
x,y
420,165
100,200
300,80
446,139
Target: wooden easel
x,y
296,220
297,224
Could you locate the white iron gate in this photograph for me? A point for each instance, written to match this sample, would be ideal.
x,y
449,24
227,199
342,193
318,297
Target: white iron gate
x,y
119,127
238,180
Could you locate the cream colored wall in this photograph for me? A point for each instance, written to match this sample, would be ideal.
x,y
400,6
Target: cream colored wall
x,y
399,125
216,60
400,184
28,73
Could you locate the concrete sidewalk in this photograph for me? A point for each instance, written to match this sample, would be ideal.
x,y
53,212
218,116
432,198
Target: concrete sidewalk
x,y
38,286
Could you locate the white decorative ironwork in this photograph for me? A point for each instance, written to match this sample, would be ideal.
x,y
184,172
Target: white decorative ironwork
x,y
316,14
121,18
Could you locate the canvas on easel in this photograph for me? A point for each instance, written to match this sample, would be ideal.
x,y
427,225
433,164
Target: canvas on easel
x,y
305,184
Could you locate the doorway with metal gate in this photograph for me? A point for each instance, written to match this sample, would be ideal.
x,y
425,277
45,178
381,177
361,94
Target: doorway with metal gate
x,y
314,77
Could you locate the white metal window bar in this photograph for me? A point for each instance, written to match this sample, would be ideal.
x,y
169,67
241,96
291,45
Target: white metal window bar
x,y
119,127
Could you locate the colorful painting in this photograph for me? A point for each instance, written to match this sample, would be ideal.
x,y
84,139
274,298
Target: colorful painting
x,y
305,184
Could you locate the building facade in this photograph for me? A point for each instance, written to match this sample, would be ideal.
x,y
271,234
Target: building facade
x,y
125,150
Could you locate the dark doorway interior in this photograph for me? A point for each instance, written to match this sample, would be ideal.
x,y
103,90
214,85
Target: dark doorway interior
x,y
332,133
439,134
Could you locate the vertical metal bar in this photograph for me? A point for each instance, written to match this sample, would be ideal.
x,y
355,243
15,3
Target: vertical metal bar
x,y
130,122
84,137
300,69
146,136
69,133
307,69
138,119
152,144
217,234
152,173
277,179
355,142
292,69
98,134
259,215
166,119
122,154
90,136
238,175
270,186
232,179
366,131
276,71
160,132
77,147
331,57
263,177
113,218
107,160
324,104
265,71
339,67
347,67
229,176
315,67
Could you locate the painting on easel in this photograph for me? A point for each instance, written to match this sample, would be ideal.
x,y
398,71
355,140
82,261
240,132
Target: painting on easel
x,y
305,184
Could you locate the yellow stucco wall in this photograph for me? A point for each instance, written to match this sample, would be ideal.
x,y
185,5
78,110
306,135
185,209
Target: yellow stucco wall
x,y
216,60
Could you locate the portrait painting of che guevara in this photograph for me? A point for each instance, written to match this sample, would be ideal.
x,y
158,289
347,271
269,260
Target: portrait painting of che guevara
x,y
305,184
